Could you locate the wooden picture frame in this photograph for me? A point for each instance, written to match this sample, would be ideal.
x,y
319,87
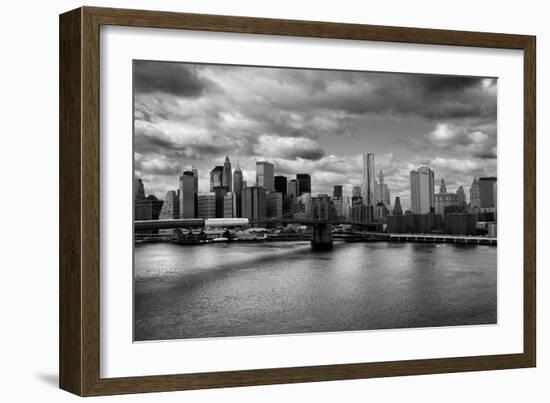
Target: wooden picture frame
x,y
79,346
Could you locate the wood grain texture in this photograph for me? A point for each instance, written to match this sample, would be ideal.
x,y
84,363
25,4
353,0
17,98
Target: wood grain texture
x,y
80,195
70,271
530,203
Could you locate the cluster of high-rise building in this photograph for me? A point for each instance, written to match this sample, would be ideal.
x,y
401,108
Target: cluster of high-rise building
x,y
444,211
279,196
230,196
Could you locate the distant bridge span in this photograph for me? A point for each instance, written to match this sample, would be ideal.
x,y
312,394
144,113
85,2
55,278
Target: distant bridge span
x,y
321,237
322,230
200,222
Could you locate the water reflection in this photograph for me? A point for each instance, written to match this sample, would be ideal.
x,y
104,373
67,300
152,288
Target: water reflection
x,y
275,288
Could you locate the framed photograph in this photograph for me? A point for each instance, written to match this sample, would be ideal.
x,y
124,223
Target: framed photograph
x,y
248,201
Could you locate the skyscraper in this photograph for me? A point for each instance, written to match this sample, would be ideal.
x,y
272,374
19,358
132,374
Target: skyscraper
x,y
338,205
422,191
305,201
444,199
139,190
461,197
397,209
292,188
207,205
487,191
170,208
442,187
274,204
281,184
220,192
475,201
238,189
142,207
337,192
227,177
368,179
357,191
304,183
188,195
229,204
382,191
265,175
196,176
216,177
254,203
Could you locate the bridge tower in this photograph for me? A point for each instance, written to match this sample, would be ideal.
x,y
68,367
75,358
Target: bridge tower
x,y
321,237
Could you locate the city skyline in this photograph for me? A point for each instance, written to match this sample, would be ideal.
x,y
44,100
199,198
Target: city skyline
x,y
311,121
229,203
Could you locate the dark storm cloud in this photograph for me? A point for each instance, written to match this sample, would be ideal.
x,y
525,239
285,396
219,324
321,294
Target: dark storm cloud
x,y
425,96
444,84
170,78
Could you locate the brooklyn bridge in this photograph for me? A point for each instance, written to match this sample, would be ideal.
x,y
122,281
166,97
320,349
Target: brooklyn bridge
x,y
321,230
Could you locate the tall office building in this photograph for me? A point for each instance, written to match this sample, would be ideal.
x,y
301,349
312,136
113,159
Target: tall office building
x,y
380,212
265,175
139,190
220,192
216,177
368,179
207,205
361,213
487,191
145,208
227,176
422,191
274,204
337,191
196,176
338,204
357,196
346,206
442,187
475,201
289,200
254,203
461,197
292,188
382,191
306,203
142,209
281,184
304,183
148,208
397,209
171,206
238,190
188,195
443,199
229,205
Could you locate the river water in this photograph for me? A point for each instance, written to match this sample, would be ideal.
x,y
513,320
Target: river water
x,y
241,289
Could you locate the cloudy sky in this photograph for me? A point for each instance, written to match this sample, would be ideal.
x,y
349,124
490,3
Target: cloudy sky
x,y
311,121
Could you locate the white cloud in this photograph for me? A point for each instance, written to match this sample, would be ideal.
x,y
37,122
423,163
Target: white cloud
x,y
271,146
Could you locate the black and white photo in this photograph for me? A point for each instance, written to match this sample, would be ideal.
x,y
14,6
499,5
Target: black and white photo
x,y
279,200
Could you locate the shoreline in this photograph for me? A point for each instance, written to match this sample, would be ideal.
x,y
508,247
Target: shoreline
x,y
420,238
